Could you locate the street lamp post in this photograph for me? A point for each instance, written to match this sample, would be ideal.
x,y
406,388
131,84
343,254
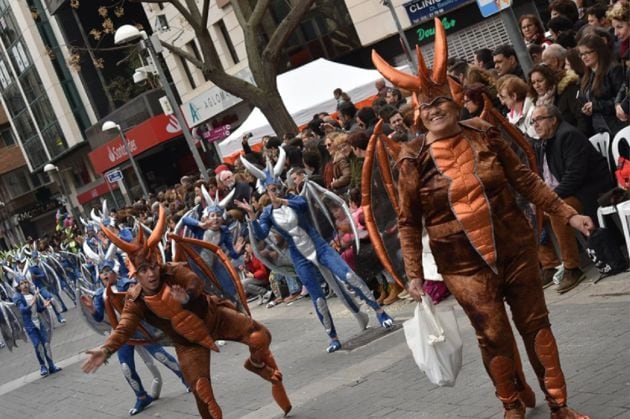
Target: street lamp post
x,y
129,33
53,172
401,34
110,125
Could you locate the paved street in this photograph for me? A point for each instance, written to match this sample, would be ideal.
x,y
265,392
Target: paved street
x,y
379,380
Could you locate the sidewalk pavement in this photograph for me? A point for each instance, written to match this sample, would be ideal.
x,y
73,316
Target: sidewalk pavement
x,y
379,380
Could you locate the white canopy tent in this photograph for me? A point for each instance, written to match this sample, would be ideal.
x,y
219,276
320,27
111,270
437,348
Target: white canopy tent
x,y
307,90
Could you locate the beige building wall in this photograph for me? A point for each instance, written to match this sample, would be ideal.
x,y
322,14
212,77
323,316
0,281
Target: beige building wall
x,y
181,35
51,83
373,21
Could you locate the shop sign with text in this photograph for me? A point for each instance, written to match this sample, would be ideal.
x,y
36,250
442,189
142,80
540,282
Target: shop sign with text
x,y
420,10
454,21
140,138
212,102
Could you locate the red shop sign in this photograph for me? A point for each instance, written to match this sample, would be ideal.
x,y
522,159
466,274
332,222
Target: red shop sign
x,y
142,137
95,192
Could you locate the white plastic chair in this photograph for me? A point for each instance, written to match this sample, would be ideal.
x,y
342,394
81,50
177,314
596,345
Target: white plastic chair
x,y
624,212
601,143
624,135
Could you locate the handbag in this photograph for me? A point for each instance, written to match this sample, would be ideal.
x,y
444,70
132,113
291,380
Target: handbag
x,y
603,250
435,342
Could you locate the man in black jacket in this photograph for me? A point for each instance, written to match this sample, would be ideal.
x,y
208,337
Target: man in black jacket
x,y
572,167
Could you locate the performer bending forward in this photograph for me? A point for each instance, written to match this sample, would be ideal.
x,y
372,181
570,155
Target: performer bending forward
x,y
459,177
171,297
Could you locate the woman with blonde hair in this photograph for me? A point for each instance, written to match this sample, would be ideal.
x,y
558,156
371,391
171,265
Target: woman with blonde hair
x,y
513,94
619,16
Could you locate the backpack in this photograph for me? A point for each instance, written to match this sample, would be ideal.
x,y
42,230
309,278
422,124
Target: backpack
x,y
603,249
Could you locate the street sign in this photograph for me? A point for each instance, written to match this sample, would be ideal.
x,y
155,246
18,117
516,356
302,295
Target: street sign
x,y
491,7
113,176
217,134
423,10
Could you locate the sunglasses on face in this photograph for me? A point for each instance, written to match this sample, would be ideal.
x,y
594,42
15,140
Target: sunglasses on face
x,y
435,102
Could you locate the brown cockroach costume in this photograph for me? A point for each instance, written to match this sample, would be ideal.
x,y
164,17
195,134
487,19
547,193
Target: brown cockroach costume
x,y
483,245
193,327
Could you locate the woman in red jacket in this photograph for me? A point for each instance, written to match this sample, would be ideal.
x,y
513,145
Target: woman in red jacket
x,y
256,281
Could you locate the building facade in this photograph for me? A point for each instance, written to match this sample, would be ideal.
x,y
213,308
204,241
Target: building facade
x,y
343,31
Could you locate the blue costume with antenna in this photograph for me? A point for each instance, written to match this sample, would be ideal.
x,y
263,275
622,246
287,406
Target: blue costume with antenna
x,y
311,254
221,237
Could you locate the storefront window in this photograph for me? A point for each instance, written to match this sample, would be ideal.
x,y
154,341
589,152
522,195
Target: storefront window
x,y
24,126
43,113
9,31
55,141
16,182
31,85
34,151
20,59
6,137
5,79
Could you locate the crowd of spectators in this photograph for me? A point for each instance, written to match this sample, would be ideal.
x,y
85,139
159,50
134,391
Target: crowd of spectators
x,y
579,83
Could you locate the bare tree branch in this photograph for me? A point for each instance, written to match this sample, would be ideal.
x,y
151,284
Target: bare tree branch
x,y
250,34
258,13
285,29
176,3
184,54
206,12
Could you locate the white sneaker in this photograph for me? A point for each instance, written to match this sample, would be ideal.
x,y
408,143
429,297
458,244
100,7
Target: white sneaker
x,y
267,297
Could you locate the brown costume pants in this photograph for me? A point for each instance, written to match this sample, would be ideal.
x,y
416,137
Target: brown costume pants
x,y
482,296
566,241
224,323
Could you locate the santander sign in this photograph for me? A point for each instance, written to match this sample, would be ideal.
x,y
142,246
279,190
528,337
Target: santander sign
x,y
116,153
140,138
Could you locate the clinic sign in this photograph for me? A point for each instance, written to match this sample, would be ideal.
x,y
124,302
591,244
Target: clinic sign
x,y
212,101
422,10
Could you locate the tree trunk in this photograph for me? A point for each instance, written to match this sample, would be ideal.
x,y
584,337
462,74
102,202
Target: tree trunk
x,y
272,106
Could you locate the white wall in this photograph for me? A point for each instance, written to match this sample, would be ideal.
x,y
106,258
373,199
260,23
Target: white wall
x,y
373,21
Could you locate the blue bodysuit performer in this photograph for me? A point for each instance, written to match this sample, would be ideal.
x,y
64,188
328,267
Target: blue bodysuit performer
x,y
96,306
211,229
25,300
40,280
310,253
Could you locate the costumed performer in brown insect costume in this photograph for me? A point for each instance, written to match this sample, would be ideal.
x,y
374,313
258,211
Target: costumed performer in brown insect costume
x,y
171,298
459,177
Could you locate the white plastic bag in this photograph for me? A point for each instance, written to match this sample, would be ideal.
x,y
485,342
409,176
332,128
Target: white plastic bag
x,y
434,340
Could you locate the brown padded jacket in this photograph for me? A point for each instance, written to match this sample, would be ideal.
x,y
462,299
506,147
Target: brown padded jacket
x,y
462,188
183,324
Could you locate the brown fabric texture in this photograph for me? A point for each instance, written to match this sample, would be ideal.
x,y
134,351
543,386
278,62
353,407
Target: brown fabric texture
x,y
567,242
487,174
455,160
424,193
203,319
